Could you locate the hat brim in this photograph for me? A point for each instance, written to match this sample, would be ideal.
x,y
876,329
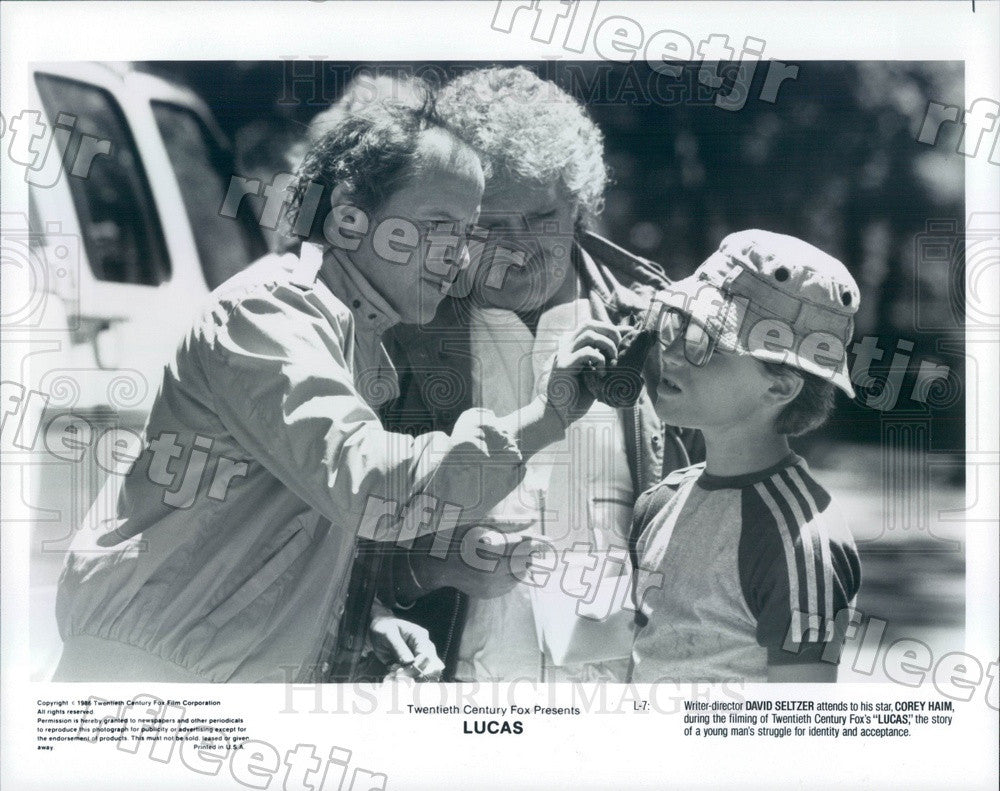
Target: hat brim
x,y
726,318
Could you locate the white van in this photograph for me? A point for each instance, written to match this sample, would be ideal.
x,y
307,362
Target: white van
x,y
142,225
122,242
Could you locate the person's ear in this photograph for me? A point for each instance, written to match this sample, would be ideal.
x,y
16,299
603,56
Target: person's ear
x,y
342,194
784,387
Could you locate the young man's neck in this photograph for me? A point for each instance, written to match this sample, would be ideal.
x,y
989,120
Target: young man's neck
x,y
731,452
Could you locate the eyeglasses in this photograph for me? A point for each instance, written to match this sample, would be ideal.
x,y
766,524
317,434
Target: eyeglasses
x,y
698,344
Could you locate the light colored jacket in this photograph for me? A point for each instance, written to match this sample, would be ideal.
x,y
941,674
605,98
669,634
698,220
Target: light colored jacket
x,y
224,553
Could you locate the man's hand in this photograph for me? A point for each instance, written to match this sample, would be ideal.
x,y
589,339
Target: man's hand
x,y
592,347
406,648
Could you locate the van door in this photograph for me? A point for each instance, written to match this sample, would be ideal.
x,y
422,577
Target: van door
x,y
110,246
138,277
203,166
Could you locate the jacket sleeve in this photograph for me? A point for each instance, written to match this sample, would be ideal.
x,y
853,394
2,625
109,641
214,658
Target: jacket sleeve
x,y
282,385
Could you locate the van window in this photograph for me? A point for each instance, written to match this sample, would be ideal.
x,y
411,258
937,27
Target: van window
x,y
118,220
204,169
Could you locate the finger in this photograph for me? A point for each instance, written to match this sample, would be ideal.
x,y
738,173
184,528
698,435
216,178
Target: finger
x,y
588,356
521,542
530,546
602,343
605,328
420,642
400,673
540,556
399,646
489,536
512,541
429,667
534,546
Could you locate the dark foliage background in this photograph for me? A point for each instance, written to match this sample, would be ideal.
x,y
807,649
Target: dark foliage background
x,y
834,160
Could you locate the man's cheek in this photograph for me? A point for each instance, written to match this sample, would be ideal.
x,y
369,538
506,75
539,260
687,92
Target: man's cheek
x,y
556,255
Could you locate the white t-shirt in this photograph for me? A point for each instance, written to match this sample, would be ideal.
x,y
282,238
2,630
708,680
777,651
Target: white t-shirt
x,y
584,481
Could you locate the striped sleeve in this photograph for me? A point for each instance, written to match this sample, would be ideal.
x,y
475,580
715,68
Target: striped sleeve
x,y
798,567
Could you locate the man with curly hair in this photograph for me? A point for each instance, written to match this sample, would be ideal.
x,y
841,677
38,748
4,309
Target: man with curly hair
x,y
243,576
539,270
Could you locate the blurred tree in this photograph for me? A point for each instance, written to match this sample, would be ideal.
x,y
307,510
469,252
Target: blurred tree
x,y
834,160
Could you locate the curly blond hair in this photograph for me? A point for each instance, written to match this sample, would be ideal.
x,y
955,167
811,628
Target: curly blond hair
x,y
529,128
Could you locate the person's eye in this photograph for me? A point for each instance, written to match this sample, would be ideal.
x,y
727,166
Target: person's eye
x,y
434,226
543,218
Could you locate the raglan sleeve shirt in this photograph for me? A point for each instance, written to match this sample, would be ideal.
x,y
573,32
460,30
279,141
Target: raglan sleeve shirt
x,y
752,570
799,568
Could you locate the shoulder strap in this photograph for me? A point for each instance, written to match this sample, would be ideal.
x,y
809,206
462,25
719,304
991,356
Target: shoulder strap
x,y
625,267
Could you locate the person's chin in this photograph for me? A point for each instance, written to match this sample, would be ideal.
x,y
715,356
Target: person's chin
x,y
426,311
670,402
675,417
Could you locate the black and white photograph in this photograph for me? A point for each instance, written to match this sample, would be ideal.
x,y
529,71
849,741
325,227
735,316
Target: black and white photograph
x,y
387,492
651,372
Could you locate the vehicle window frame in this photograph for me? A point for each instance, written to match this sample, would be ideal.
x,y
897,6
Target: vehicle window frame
x,y
158,266
221,160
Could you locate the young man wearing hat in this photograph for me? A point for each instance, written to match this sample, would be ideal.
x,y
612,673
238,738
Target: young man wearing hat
x,y
744,560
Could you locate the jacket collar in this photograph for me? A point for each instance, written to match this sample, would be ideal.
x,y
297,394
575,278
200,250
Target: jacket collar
x,y
617,283
373,316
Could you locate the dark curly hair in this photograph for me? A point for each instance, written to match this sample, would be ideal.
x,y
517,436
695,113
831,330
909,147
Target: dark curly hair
x,y
372,149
